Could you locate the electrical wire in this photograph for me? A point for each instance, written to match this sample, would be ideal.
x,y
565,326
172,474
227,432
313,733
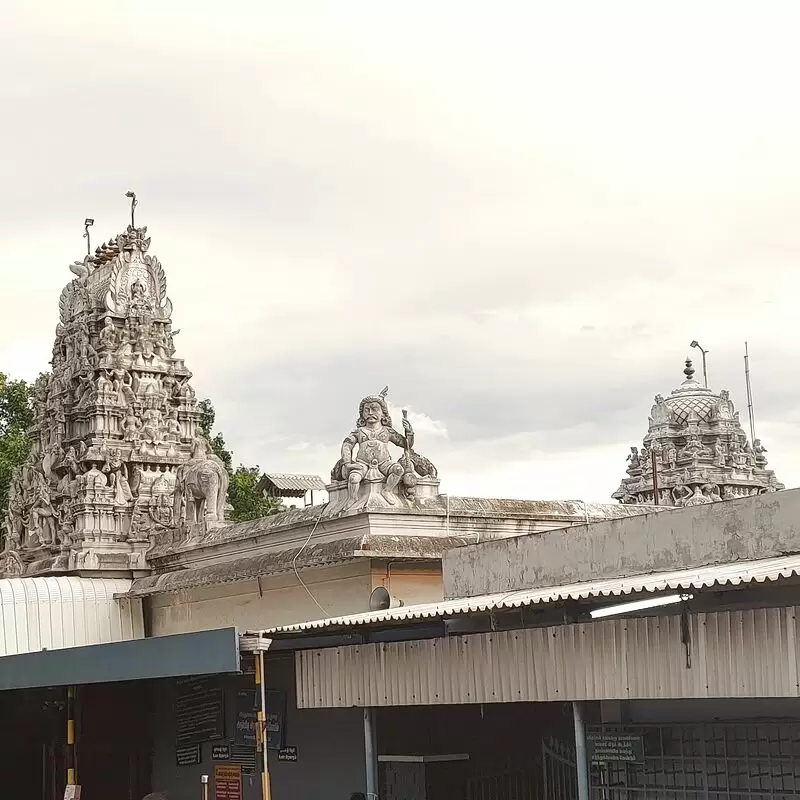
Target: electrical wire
x,y
298,554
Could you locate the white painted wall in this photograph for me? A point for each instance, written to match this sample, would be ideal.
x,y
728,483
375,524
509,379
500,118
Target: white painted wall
x,y
280,600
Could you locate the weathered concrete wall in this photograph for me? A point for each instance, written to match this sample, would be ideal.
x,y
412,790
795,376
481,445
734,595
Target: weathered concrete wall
x,y
281,599
749,528
278,600
409,584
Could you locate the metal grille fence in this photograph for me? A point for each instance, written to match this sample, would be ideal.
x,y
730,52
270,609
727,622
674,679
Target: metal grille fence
x,y
560,775
520,785
755,761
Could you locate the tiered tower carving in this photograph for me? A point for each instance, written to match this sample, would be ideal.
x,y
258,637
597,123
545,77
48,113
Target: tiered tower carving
x,y
699,450
116,456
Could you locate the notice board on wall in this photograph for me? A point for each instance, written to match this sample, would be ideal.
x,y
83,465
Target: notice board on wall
x,y
247,704
199,711
227,782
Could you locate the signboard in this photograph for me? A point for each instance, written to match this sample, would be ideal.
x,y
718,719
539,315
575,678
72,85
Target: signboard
x,y
247,703
72,792
610,746
228,782
220,752
287,754
246,717
276,714
186,756
199,711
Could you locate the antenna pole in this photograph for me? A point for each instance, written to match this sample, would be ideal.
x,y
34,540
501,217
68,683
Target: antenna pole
x,y
87,223
134,203
749,394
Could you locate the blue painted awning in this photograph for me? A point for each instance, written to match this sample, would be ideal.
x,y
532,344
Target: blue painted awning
x,y
201,653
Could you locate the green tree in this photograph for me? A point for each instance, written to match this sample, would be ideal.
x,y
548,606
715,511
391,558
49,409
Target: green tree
x,y
217,440
247,501
16,417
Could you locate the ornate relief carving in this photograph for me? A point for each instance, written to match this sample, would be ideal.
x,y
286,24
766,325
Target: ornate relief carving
x,y
703,455
114,421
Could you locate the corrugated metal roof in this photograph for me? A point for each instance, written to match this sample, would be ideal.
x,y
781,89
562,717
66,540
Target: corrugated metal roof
x,y
296,483
719,574
55,612
747,653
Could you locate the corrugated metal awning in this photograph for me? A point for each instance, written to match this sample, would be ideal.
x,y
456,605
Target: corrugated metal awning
x,y
51,613
747,653
290,485
716,575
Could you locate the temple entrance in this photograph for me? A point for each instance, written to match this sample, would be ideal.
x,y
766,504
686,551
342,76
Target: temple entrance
x,y
113,743
112,752
32,740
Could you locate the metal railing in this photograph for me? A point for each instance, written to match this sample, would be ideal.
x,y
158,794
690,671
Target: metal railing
x,y
731,761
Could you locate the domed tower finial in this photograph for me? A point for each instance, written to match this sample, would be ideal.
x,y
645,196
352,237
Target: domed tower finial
x,y
689,370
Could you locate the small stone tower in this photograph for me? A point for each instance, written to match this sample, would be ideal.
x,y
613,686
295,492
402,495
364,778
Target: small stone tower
x,y
699,450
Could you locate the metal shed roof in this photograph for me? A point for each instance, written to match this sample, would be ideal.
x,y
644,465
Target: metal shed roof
x,y
716,575
292,485
50,613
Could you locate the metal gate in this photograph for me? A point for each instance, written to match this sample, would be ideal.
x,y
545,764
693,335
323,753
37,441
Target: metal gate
x,y
753,761
517,785
559,773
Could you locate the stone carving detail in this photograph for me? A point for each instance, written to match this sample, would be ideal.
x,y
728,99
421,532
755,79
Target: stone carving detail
x,y
115,422
368,474
702,454
201,486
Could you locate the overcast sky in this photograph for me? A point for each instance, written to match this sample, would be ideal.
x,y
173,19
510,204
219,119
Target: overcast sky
x,y
517,215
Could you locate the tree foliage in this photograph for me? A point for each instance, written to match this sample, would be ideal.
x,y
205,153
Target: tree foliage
x,y
247,501
217,440
16,417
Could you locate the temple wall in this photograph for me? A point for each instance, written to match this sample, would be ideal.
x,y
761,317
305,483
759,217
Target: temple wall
x,y
766,526
340,590
280,600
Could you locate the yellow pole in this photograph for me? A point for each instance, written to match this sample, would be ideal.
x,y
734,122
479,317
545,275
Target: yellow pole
x,y
71,736
261,726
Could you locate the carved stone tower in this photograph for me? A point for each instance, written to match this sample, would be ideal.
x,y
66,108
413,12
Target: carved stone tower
x,y
700,451
115,426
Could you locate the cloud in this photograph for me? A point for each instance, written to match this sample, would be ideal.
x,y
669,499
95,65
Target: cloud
x,y
517,218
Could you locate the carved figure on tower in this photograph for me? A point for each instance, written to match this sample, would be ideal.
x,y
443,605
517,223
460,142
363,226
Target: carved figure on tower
x,y
368,470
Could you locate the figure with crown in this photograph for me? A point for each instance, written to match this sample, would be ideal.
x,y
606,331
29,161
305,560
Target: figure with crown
x,y
366,458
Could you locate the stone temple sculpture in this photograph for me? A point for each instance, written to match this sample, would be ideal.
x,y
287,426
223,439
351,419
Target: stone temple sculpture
x,y
368,475
700,451
116,427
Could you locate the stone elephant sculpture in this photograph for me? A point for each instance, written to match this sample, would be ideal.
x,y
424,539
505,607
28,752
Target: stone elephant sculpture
x,y
202,485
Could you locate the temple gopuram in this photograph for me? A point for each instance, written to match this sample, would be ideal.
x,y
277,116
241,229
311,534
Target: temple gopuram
x,y
116,457
695,452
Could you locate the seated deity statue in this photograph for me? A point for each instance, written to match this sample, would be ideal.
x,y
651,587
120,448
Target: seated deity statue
x,y
173,426
365,452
